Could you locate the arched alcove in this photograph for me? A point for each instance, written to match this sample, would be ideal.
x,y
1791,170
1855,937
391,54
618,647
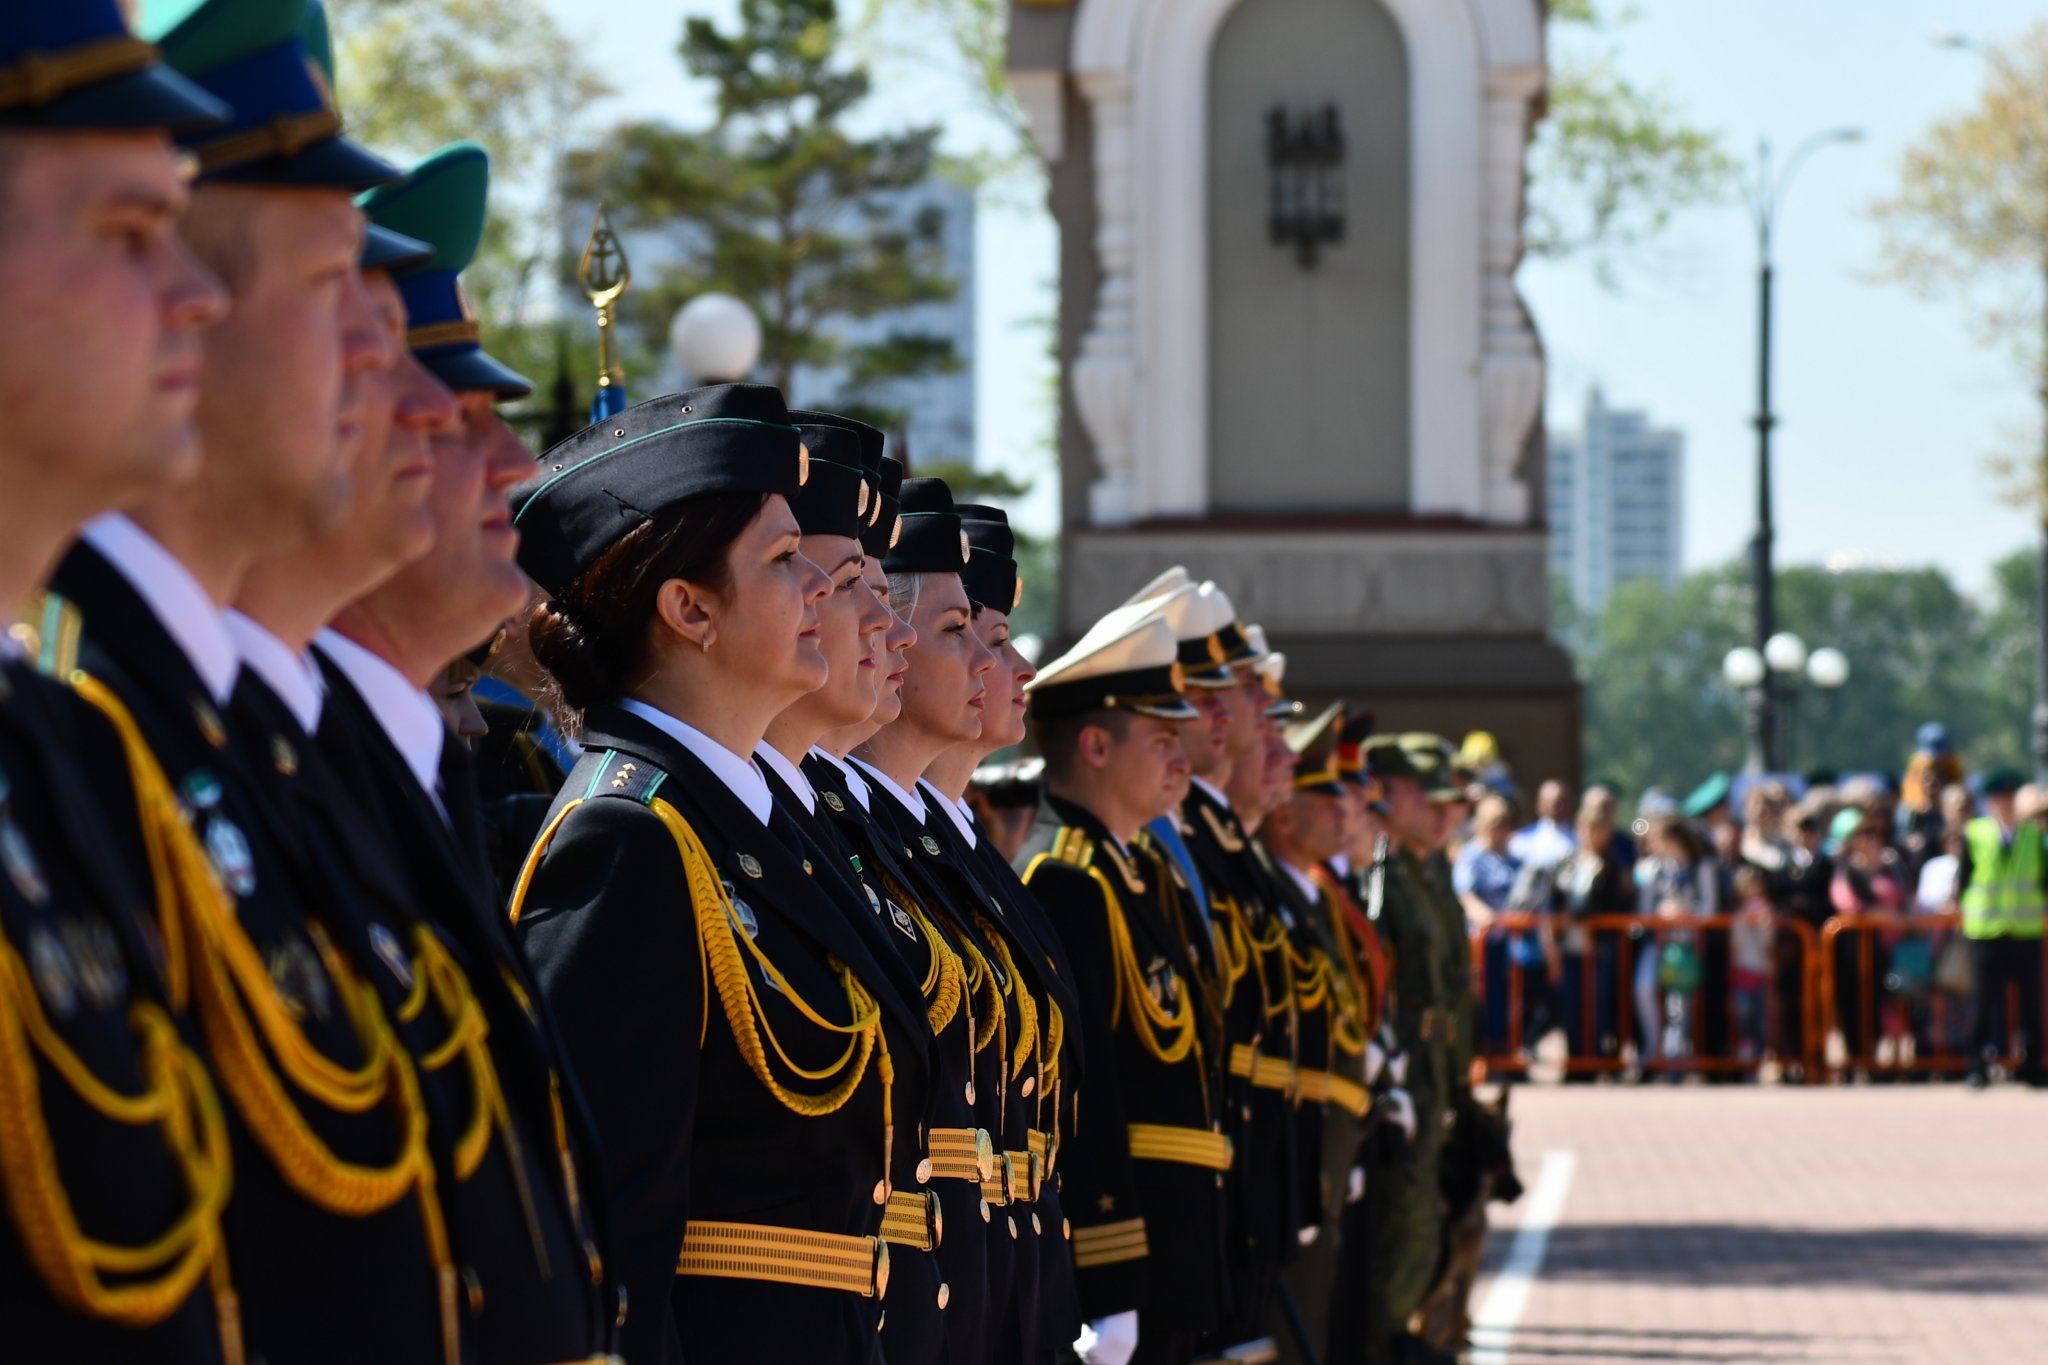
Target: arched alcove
x,y
1308,386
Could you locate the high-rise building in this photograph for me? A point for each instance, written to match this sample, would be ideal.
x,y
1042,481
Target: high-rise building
x,y
1616,498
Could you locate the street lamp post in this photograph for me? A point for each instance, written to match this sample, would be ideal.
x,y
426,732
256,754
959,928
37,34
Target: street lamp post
x,y
1779,666
1762,715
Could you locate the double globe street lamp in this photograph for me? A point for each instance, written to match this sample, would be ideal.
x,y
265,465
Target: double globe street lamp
x,y
1769,676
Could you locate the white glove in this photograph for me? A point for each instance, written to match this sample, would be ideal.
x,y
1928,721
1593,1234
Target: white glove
x,y
1307,1236
1401,1109
1399,1068
1375,1062
1109,1341
1354,1189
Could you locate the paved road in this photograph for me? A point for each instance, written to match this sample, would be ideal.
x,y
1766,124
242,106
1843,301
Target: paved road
x,y
1742,1224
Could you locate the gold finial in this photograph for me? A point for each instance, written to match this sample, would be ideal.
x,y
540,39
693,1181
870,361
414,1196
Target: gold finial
x,y
605,275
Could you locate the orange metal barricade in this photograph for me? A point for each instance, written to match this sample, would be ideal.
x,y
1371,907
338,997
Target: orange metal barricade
x,y
1934,1023
1633,935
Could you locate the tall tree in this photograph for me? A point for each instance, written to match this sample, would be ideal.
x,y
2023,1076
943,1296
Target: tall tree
x,y
782,204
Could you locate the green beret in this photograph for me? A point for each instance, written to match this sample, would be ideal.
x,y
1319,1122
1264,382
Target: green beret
x,y
1707,795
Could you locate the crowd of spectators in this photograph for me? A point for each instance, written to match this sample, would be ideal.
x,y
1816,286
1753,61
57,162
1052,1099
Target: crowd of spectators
x,y
1767,853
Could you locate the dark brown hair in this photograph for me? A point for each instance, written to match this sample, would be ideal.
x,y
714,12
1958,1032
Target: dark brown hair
x,y
593,639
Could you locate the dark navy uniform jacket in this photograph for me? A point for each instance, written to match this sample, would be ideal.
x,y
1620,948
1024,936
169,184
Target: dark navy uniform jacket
x,y
688,1129
305,1275
81,930
1148,1234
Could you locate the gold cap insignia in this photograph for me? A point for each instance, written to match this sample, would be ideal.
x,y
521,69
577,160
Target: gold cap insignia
x,y
803,464
1017,597
861,508
1216,651
966,548
896,532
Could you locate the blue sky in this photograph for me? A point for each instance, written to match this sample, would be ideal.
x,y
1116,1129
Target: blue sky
x,y
1887,404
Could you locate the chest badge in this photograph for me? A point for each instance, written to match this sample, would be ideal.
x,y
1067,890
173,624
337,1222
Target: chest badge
x,y
393,954
284,756
300,980
874,900
20,860
744,917
227,848
49,962
900,917
931,845
96,962
209,723
750,865
833,802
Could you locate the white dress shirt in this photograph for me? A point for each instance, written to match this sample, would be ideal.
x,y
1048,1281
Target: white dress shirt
x,y
407,715
1215,792
1302,880
740,777
790,774
855,783
909,800
955,811
293,676
173,595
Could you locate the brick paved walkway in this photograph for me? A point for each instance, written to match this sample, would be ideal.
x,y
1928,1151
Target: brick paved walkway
x,y
1898,1223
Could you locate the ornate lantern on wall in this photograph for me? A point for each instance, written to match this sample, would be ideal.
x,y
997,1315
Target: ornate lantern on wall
x,y
1305,178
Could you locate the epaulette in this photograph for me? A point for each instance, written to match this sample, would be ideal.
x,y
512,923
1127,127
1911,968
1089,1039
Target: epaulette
x,y
48,633
1073,846
630,778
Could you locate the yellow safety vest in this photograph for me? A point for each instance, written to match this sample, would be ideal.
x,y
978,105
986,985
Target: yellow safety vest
x,y
2004,898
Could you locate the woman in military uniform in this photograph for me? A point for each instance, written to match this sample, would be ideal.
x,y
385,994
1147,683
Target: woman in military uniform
x,y
1021,1022
743,1052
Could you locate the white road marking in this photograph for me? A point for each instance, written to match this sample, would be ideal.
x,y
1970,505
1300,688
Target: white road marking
x,y
1493,1327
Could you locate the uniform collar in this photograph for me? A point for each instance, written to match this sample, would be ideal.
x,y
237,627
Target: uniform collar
x,y
909,800
791,775
1309,890
740,777
292,675
954,811
408,716
855,783
173,596
1211,790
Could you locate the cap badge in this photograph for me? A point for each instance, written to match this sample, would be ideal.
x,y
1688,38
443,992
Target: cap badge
x,y
900,917
1217,653
966,548
1017,597
896,532
861,508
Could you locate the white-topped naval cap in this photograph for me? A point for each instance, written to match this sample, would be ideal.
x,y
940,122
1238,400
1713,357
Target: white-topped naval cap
x,y
1129,660
1173,580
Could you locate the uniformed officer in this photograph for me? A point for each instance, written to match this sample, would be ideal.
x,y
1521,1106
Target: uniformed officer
x,y
936,1301
329,1119
1053,1084
1435,760
1144,1174
114,1157
1398,1221
945,700
738,1043
1248,983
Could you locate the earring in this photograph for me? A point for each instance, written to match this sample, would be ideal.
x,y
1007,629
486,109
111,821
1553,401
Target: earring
x,y
705,644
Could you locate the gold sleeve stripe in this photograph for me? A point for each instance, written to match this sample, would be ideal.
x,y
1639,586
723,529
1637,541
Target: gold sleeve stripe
x,y
1110,1244
1182,1146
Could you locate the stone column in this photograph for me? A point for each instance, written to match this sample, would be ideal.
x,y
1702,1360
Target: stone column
x,y
1511,365
1105,373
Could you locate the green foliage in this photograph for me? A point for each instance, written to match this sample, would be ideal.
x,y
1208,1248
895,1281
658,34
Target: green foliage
x,y
1658,712
778,202
1612,160
1970,217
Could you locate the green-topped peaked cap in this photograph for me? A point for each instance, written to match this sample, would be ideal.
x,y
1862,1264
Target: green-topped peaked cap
x,y
74,66
444,203
252,54
383,249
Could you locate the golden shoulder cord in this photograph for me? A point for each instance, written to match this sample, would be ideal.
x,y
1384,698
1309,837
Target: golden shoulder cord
x,y
230,982
435,969
945,976
722,952
1354,994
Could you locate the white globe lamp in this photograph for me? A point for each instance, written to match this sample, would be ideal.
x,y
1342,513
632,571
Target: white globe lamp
x,y
1743,667
1785,652
715,338
1828,667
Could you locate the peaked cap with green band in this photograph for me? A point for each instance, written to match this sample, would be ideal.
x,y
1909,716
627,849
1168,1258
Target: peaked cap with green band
x,y
1430,755
1386,759
444,203
252,55
74,66
601,483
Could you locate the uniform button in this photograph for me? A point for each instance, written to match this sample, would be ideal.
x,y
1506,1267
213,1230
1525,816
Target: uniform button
x,y
924,1170
1066,1229
882,1321
1012,1220
1030,1084
475,1289
1247,1113
1219,1180
881,1191
984,1210
945,1296
1036,1226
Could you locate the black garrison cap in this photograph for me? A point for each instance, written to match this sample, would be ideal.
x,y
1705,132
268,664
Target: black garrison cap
x,y
990,573
931,541
601,483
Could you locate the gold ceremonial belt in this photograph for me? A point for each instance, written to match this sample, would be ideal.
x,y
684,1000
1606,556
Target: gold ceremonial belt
x,y
1027,1172
1265,1073
816,1260
913,1220
1183,1146
962,1154
1432,1025
1000,1185
1349,1096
